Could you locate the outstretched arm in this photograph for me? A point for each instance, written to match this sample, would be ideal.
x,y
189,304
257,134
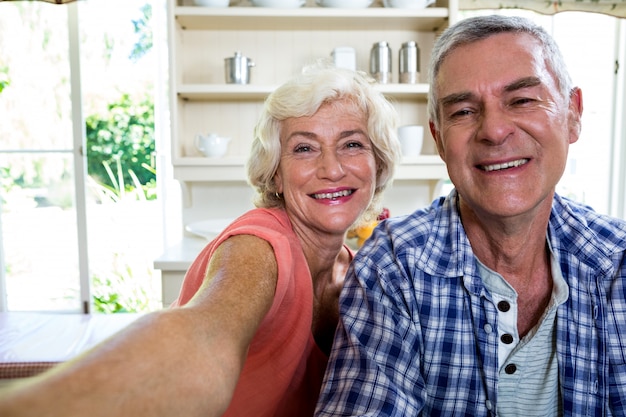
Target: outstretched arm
x,y
183,361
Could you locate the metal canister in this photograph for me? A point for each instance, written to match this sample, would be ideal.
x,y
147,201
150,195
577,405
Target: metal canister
x,y
380,62
237,69
409,63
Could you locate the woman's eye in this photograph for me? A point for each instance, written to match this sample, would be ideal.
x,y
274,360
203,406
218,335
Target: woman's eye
x,y
302,148
354,145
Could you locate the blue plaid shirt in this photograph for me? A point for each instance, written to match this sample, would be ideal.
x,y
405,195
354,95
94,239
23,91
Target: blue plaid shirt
x,y
418,330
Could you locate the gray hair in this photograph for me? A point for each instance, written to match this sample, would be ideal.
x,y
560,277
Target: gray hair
x,y
481,27
319,84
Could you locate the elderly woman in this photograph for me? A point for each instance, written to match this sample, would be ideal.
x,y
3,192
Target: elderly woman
x,y
251,331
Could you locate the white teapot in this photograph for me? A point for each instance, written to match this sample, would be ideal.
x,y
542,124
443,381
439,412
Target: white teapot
x,y
211,145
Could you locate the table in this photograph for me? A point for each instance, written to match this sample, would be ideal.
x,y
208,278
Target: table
x,y
32,342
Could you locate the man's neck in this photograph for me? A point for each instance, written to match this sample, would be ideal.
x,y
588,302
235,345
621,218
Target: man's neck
x,y
515,248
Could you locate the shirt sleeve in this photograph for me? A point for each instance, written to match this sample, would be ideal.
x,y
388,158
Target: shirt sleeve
x,y
373,368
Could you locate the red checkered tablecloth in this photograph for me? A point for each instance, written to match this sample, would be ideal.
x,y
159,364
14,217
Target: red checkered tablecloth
x,y
24,369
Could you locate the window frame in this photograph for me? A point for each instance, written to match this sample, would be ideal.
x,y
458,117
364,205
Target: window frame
x,y
80,170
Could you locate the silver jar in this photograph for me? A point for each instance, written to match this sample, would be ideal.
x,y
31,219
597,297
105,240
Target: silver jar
x,y
380,62
409,63
237,69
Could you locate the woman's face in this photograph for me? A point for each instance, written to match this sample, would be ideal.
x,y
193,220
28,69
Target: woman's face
x,y
327,170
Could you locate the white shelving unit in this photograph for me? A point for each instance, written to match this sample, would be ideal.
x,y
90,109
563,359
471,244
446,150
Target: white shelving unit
x,y
280,42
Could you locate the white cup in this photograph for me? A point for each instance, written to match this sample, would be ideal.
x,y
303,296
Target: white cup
x,y
411,138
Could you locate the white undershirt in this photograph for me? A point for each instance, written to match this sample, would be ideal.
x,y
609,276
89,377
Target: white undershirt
x,y
528,382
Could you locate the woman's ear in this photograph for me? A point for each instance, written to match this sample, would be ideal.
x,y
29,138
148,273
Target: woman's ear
x,y
278,183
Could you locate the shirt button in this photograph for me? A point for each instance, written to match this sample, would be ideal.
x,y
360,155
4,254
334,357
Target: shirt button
x,y
488,329
510,369
504,306
506,339
488,405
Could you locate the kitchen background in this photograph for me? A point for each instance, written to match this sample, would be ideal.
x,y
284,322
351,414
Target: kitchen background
x,y
65,247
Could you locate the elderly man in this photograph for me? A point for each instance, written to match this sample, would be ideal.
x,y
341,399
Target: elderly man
x,y
502,298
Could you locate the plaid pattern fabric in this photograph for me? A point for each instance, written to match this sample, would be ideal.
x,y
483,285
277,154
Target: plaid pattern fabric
x,y
10,370
418,330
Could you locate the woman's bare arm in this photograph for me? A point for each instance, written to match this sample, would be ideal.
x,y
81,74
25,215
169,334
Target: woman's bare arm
x,y
177,362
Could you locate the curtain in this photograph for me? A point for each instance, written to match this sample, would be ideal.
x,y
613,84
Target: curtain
x,y
51,1
611,7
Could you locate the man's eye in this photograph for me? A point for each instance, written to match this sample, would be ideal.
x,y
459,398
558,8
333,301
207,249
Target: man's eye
x,y
522,101
460,113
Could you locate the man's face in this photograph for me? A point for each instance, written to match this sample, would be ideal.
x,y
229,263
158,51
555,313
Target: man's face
x,y
504,127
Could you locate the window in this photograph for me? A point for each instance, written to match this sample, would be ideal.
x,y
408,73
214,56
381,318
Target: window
x,y
69,243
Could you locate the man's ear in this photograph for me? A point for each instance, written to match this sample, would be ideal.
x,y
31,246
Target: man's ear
x,y
575,113
437,137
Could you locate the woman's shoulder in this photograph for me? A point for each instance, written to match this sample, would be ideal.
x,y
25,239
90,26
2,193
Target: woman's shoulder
x,y
273,218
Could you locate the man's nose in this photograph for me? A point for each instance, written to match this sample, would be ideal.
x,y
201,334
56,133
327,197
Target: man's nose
x,y
495,125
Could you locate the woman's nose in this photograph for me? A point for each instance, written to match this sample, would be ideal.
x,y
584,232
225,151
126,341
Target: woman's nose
x,y
330,166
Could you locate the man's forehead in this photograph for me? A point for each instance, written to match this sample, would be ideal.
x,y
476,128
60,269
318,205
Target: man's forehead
x,y
503,62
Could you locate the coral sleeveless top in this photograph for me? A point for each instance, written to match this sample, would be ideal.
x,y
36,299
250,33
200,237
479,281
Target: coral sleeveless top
x,y
284,369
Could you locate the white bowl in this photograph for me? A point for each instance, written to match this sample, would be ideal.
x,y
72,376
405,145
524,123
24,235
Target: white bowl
x,y
208,229
212,3
279,4
408,4
211,145
345,4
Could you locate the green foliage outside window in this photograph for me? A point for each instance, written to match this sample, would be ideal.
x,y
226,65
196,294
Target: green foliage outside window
x,y
4,78
124,290
123,137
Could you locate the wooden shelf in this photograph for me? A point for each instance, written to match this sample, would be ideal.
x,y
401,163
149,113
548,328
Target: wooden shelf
x,y
229,169
310,18
223,92
238,92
